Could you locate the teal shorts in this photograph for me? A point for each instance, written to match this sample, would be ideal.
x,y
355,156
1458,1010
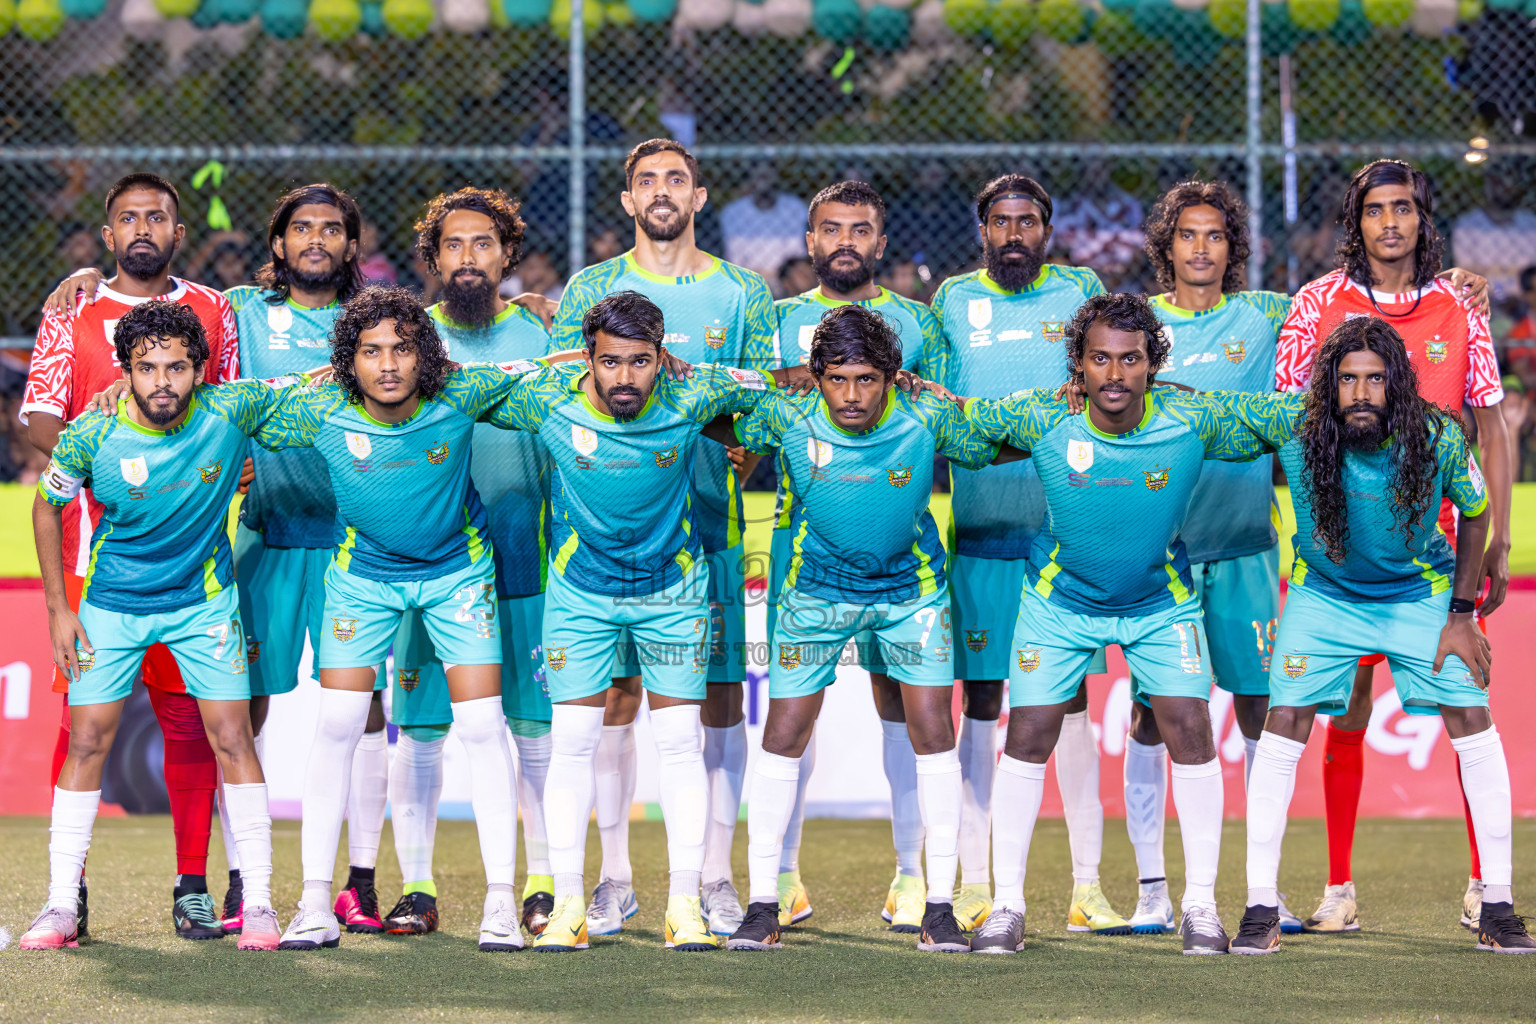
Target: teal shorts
x,y
282,598
985,599
1053,646
420,694
1321,639
866,646
810,633
670,630
363,616
1241,597
206,640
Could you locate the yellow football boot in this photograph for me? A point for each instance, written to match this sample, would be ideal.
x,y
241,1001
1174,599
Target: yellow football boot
x,y
905,902
794,901
686,930
1091,912
567,927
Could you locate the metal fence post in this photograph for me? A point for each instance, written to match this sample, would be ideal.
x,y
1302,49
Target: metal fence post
x,y
578,130
1255,139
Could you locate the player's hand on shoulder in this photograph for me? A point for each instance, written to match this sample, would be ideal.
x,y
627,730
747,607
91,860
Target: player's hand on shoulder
x,y
1074,394
320,375
677,367
1461,637
62,299
541,306
797,380
106,401
915,385
1470,288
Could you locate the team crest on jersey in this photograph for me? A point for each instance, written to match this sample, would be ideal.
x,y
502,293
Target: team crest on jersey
x,y
359,445
1080,455
438,454
1235,351
1434,351
667,458
980,312
819,452
899,477
1053,330
344,629
210,474
789,657
1157,479
280,320
583,440
556,656
1029,659
976,639
135,471
410,678
714,337
1295,665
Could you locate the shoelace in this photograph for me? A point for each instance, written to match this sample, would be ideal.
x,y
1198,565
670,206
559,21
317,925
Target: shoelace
x,y
198,908
606,893
367,901
404,908
765,918
999,922
1203,922
233,900
944,920
1330,905
1253,927
1147,903
1514,924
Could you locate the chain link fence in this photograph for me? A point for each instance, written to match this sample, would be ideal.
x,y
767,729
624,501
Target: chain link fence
x,y
1107,103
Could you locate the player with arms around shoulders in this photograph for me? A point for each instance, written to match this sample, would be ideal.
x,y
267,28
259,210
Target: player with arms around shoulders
x,y
1123,469
1369,460
164,465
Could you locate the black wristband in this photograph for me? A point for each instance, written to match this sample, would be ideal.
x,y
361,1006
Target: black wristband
x,y
1462,605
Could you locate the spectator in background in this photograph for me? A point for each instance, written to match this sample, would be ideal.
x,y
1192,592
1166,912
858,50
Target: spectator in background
x,y
766,226
604,244
933,221
1516,408
80,247
904,277
1520,342
1498,239
536,272
796,276
1100,227
376,267
221,261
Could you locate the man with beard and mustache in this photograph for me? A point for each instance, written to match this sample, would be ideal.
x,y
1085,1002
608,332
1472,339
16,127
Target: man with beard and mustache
x,y
715,313
74,359
1388,266
1127,466
845,238
1370,459
471,240
1002,332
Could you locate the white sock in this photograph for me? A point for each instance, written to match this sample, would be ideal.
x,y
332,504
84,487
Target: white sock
x,y
69,830
1198,796
483,731
1020,788
1146,803
978,765
415,785
906,816
532,770
615,782
1269,798
366,799
789,857
938,797
1485,780
1077,776
327,778
775,779
725,766
230,856
684,792
251,824
568,792
1250,747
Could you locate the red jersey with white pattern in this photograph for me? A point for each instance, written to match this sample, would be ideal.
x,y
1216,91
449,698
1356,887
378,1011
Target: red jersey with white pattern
x,y
75,358
1448,341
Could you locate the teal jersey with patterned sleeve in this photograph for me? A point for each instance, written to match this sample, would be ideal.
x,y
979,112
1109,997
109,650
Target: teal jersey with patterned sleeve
x,y
290,501
162,543
861,530
723,316
510,469
795,320
1110,544
622,503
1229,347
1381,563
407,508
994,343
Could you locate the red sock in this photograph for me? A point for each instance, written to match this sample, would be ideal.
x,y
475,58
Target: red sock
x,y
1343,769
61,745
1477,864
191,773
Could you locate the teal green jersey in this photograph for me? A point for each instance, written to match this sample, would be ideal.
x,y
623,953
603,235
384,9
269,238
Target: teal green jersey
x,y
1116,503
861,529
163,542
407,508
290,501
795,320
1381,563
994,343
1230,347
510,470
722,316
623,496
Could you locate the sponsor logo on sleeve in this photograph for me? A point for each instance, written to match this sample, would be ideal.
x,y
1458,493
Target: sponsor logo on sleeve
x,y
61,483
749,379
519,367
1475,474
